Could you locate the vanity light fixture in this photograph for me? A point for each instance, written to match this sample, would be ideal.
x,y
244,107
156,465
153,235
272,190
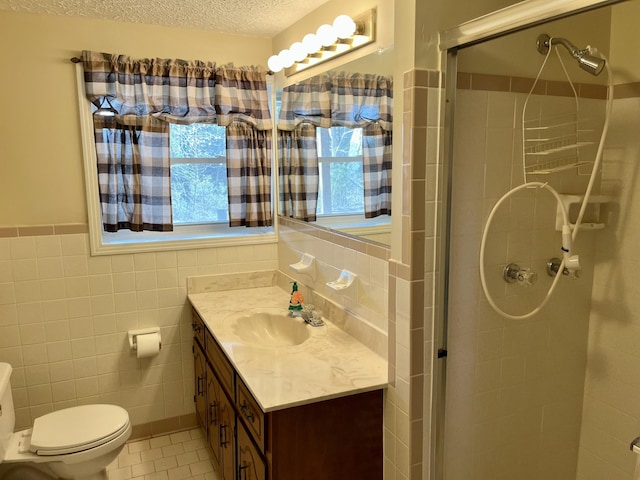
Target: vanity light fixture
x,y
329,41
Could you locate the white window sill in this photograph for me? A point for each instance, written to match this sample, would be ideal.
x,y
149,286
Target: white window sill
x,y
182,238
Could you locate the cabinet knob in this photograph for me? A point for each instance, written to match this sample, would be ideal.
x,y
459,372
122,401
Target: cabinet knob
x,y
196,327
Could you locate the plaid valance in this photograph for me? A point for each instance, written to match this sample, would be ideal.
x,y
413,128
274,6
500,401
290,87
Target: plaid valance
x,y
338,99
178,91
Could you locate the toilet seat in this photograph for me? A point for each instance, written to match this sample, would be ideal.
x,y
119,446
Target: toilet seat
x,y
77,429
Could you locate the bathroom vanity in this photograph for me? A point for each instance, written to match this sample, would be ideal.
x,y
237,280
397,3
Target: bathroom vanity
x,y
305,406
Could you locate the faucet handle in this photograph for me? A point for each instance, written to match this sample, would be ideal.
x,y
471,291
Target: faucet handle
x,y
309,307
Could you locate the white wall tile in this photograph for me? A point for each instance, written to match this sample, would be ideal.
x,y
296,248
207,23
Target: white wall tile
x,y
75,244
22,248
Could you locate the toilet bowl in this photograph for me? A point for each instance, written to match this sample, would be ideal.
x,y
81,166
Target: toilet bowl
x,y
76,443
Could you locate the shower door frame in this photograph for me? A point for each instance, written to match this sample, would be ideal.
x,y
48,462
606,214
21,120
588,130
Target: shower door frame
x,y
497,24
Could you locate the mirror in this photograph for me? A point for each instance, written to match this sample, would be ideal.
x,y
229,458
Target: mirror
x,y
340,180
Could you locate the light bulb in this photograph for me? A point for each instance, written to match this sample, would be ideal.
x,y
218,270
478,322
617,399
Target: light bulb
x,y
274,63
298,51
344,26
311,43
286,57
326,34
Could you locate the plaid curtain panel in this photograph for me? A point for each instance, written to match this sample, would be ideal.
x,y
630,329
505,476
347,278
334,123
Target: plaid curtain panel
x,y
241,95
377,153
350,100
182,92
299,174
249,175
133,173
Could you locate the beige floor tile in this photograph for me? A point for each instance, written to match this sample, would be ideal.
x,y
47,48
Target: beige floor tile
x,y
165,463
142,469
172,450
150,455
176,456
120,473
140,446
156,476
180,473
180,437
201,467
187,458
157,442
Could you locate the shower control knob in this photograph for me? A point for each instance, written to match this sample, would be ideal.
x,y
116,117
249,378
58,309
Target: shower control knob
x,y
512,273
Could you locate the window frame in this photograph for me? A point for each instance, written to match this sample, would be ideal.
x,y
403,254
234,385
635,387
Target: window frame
x,y
182,238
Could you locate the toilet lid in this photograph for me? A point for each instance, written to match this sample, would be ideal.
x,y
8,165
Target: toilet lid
x,y
77,428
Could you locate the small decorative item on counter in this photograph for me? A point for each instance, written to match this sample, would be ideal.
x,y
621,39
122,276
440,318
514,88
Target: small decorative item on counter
x,y
296,298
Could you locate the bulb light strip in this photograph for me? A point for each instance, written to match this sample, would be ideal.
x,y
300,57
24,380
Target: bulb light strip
x,y
329,41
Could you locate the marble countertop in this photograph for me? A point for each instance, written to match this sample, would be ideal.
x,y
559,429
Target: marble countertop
x,y
329,364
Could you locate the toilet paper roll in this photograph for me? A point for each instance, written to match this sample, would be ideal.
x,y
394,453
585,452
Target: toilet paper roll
x,y
148,345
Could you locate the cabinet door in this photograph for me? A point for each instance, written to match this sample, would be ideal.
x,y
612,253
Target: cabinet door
x,y
214,393
200,385
250,465
227,438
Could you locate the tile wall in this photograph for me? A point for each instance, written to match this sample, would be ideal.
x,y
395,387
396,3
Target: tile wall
x,y
509,380
611,417
414,281
64,317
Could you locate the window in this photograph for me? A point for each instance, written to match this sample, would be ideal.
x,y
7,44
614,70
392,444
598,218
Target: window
x,y
340,162
198,174
198,191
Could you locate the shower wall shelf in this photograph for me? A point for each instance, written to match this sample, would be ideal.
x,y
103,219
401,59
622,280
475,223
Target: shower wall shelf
x,y
591,219
555,165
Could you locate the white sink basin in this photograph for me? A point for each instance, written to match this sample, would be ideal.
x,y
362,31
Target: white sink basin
x,y
270,329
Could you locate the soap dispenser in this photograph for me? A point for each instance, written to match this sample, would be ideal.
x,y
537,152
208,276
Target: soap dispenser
x,y
295,304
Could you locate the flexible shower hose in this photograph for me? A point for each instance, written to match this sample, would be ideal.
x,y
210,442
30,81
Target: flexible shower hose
x,y
583,207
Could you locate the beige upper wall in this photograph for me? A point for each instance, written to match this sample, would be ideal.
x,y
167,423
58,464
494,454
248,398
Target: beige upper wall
x,y
434,17
625,42
40,150
516,54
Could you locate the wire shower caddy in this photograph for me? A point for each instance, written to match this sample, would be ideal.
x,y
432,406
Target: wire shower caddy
x,y
556,142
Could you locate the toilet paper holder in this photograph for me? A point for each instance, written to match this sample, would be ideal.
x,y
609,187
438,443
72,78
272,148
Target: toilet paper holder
x,y
133,334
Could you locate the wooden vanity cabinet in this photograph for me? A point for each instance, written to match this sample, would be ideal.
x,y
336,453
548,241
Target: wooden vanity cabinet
x,y
216,414
330,439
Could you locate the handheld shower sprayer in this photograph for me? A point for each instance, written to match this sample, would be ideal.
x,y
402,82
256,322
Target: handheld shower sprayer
x,y
588,62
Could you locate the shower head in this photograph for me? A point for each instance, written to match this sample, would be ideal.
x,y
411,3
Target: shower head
x,y
586,61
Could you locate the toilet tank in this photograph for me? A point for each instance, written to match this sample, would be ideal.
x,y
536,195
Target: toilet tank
x,y
7,413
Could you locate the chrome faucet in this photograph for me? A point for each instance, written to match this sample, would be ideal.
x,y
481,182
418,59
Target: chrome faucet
x,y
309,315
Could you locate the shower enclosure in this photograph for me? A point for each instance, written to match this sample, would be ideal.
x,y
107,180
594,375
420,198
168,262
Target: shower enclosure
x,y
554,395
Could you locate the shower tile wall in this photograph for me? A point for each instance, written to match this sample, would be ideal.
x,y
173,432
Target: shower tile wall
x,y
611,417
514,387
64,316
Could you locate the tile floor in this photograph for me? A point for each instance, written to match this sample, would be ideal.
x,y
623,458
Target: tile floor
x,y
176,456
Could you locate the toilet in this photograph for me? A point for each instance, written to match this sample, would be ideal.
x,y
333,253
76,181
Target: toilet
x,y
76,443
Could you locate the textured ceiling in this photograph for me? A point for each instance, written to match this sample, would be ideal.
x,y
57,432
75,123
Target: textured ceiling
x,y
245,17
